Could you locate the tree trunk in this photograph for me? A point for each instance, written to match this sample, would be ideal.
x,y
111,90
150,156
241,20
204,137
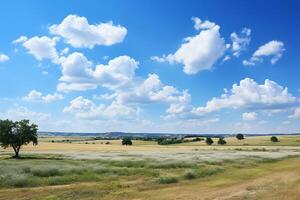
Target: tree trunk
x,y
16,149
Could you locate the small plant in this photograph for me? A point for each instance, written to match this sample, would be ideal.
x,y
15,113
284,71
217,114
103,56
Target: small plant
x,y
240,136
209,141
167,180
106,142
221,141
274,139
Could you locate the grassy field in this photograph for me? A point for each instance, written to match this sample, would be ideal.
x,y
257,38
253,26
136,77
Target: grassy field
x,y
79,168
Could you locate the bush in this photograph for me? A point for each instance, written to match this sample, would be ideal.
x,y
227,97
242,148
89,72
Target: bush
x,y
126,141
190,175
46,172
221,141
240,136
274,139
106,142
209,141
167,180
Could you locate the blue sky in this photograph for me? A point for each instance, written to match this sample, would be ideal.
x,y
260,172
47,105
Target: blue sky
x,y
151,66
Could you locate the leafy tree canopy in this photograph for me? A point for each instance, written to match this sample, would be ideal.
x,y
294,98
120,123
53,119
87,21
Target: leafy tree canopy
x,y
15,134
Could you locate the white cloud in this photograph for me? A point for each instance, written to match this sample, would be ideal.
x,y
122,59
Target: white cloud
x,y
253,96
149,90
248,63
105,96
64,51
3,58
35,96
241,41
249,116
86,109
21,112
79,33
21,39
198,52
40,47
199,24
273,49
296,113
226,58
78,73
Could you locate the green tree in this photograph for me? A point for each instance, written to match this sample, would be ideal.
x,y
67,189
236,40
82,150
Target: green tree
x,y
126,141
274,139
240,136
16,134
209,141
222,141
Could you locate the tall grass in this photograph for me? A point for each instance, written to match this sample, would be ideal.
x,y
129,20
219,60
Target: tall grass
x,y
51,170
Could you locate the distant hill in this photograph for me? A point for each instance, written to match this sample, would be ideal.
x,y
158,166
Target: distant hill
x,y
149,135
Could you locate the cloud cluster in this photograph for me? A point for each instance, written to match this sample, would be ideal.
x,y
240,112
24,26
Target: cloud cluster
x,y
21,112
78,32
273,50
86,109
36,96
251,96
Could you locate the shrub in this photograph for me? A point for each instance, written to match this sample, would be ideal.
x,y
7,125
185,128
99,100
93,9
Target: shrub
x,y
167,180
105,142
240,136
126,141
209,141
221,141
190,175
274,139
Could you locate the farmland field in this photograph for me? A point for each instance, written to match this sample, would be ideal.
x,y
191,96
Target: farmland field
x,y
82,168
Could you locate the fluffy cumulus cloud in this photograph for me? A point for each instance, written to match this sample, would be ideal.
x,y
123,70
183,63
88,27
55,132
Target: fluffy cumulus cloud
x,y
146,91
86,109
78,73
3,58
36,96
273,50
240,41
199,52
78,32
249,116
40,47
250,95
